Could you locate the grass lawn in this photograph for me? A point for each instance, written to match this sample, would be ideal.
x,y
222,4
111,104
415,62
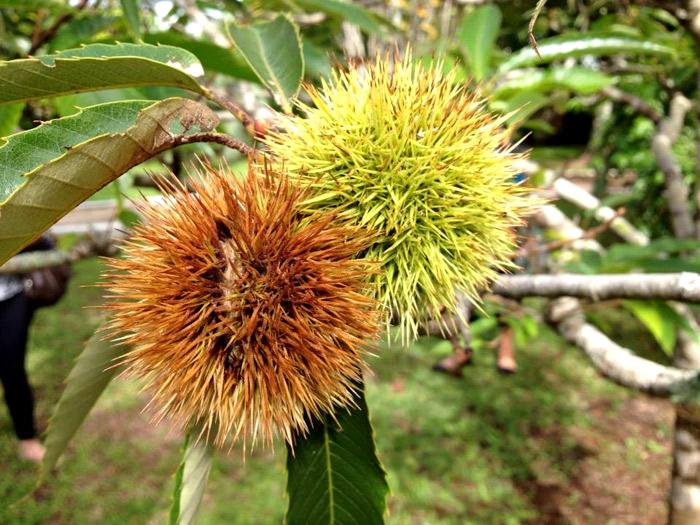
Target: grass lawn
x,y
553,443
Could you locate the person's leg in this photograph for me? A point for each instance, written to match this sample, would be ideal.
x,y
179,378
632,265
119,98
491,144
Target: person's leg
x,y
455,362
462,353
15,317
506,352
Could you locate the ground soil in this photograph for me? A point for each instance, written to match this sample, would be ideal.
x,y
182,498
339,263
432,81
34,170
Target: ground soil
x,y
622,469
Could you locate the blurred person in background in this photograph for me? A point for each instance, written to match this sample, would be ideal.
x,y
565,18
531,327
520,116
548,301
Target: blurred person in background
x,y
15,317
20,296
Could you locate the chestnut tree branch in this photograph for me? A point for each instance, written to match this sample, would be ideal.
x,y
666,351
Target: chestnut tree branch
x,y
683,287
235,110
676,190
615,362
30,261
636,103
218,138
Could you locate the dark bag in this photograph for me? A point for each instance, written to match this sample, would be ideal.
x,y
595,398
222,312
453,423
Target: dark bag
x,y
45,286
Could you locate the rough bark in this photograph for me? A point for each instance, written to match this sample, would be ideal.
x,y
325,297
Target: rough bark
x,y
685,488
352,43
676,189
684,498
684,287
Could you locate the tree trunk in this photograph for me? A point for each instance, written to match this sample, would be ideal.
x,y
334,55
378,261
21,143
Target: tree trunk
x,y
684,499
685,489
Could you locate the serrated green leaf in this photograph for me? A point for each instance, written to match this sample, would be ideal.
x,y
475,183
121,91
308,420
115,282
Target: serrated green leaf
x,y
558,48
191,480
576,79
98,66
334,474
9,118
67,105
273,51
92,372
478,35
659,318
48,170
30,149
213,57
130,8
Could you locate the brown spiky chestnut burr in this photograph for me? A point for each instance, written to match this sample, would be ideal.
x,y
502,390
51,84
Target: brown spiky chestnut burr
x,y
241,314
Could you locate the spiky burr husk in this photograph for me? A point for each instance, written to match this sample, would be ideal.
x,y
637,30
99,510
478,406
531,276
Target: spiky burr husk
x,y
242,315
404,152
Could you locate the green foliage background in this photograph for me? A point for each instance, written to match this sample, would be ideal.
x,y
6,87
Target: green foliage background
x,y
455,451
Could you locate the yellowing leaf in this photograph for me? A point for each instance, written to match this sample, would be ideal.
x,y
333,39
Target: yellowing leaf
x,y
48,170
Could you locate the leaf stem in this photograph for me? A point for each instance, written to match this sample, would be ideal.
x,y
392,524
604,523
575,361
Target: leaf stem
x,y
235,110
531,26
219,138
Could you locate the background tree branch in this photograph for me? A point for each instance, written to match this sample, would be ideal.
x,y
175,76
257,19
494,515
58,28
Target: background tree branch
x,y
89,246
684,287
576,195
615,362
636,103
661,146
